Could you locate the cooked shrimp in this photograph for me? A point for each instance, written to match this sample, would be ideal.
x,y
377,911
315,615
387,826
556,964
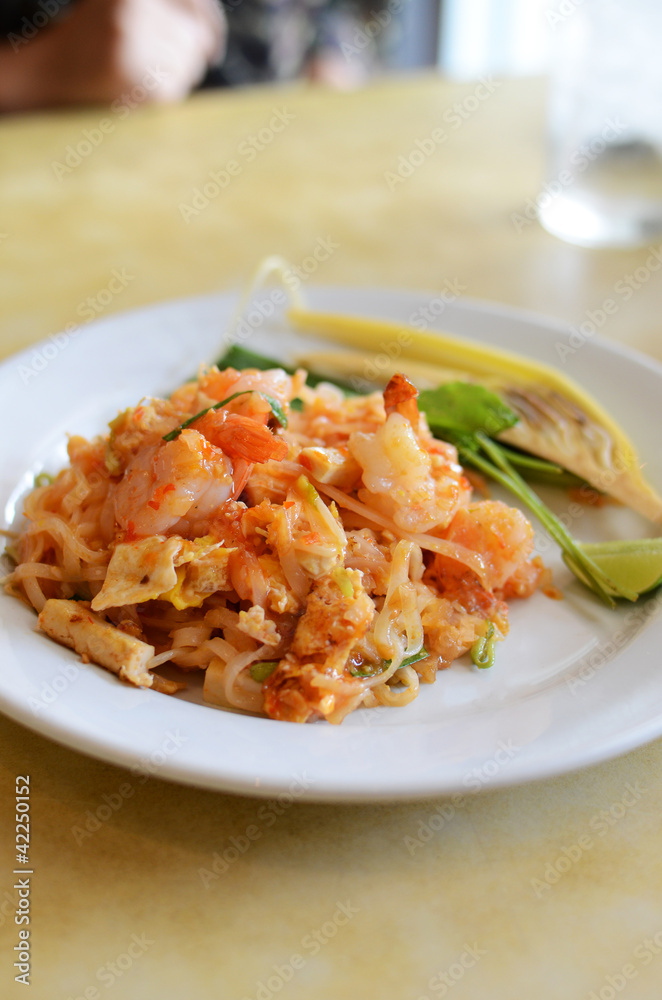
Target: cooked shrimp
x,y
501,534
398,480
167,481
244,439
407,474
240,437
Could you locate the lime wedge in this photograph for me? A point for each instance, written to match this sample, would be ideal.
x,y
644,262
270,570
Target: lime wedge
x,y
633,566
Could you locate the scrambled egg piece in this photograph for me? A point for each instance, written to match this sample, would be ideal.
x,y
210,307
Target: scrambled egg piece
x,y
171,569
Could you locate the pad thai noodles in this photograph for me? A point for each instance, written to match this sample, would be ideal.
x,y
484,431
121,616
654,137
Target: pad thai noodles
x,y
311,552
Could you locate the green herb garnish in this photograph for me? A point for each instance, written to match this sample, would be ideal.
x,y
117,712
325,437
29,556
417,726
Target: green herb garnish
x,y
276,409
379,668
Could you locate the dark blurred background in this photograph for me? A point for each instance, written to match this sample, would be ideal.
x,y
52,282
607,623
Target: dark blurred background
x,y
344,42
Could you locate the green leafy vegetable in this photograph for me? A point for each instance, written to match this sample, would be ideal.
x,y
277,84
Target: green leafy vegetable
x,y
276,409
241,357
466,409
260,671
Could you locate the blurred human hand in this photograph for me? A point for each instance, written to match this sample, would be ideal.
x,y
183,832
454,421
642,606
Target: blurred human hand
x,y
102,48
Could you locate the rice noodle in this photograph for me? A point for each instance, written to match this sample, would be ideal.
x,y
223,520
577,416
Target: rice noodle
x,y
292,569
399,615
160,658
56,527
251,700
450,549
386,695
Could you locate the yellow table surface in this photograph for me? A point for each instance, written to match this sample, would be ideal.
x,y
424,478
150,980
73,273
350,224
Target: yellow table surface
x,y
125,913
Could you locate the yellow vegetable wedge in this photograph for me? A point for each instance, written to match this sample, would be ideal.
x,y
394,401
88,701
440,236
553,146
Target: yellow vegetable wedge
x,y
558,420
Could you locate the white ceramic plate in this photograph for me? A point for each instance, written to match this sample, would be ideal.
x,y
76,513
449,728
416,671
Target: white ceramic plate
x,y
573,684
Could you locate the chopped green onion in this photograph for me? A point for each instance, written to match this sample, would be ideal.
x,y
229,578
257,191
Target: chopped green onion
x,y
483,649
306,489
340,577
260,671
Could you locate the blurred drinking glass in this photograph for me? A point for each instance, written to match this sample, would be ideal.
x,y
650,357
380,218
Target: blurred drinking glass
x,y
604,186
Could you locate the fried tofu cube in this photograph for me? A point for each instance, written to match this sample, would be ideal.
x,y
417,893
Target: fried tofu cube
x,y
73,624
